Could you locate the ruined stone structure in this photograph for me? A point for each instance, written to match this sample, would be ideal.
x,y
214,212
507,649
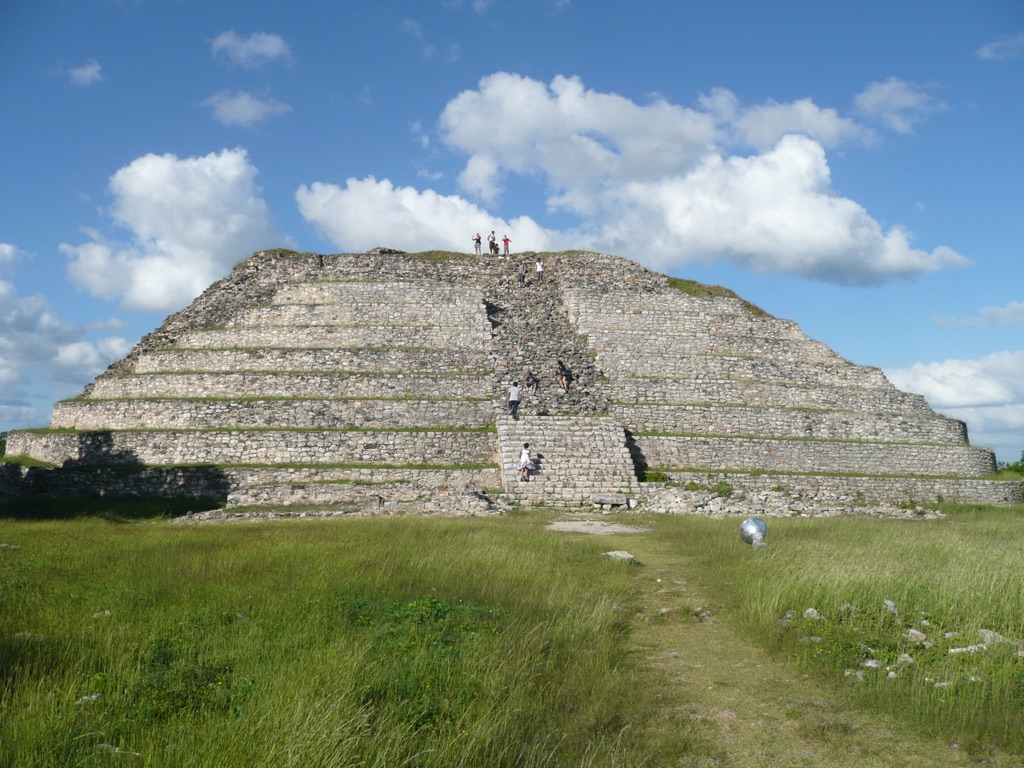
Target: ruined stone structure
x,y
376,382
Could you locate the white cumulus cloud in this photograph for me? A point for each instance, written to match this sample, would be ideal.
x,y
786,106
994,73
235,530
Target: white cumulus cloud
x,y
763,125
243,108
252,51
577,138
993,317
1011,47
10,253
367,213
898,104
87,74
190,220
986,392
773,212
43,357
655,182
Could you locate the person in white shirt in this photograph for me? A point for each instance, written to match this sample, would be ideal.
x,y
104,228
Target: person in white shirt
x,y
513,398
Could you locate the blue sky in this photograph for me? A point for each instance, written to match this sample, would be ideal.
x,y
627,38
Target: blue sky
x,y
855,167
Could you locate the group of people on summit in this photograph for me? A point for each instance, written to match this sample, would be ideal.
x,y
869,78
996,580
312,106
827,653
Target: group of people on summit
x,y
521,270
492,243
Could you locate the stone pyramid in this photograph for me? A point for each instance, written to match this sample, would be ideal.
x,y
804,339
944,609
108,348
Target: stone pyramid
x,y
375,382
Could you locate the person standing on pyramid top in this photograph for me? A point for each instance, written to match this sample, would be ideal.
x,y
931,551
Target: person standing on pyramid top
x,y
492,243
476,243
505,241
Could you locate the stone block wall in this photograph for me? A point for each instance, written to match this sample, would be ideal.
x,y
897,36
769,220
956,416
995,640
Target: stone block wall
x,y
712,384
352,359
783,422
270,447
811,455
290,413
392,385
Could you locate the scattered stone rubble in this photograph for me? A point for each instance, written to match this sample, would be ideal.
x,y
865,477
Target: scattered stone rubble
x,y
867,664
743,503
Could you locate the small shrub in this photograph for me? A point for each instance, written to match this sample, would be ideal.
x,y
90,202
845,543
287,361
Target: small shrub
x,y
722,488
655,476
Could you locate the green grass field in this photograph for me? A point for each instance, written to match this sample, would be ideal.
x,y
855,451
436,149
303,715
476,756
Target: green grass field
x,y
129,639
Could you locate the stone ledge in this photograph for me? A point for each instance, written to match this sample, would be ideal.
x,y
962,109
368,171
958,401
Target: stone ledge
x,y
811,456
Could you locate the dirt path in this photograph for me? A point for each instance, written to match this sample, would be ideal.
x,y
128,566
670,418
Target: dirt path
x,y
726,702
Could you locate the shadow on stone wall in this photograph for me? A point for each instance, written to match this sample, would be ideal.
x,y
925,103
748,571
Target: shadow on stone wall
x,y
103,471
637,455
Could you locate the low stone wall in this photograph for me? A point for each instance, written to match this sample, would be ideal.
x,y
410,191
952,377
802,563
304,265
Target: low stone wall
x,y
170,482
363,359
303,385
257,447
640,363
429,293
697,343
328,315
245,485
814,456
664,313
878,490
765,394
313,337
307,414
780,422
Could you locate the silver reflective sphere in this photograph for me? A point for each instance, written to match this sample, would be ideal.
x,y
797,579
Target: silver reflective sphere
x,y
753,530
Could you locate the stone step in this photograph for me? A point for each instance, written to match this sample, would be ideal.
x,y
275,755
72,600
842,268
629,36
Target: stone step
x,y
363,359
655,391
708,343
286,414
228,447
330,315
672,364
790,422
678,452
313,337
297,385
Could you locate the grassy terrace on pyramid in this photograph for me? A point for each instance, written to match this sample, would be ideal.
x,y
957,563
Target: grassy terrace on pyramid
x,y
375,382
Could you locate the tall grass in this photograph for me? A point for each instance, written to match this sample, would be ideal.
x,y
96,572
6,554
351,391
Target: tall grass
x,y
378,642
952,580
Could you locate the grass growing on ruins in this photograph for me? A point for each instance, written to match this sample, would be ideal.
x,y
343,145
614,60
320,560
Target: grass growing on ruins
x,y
703,290
493,642
440,256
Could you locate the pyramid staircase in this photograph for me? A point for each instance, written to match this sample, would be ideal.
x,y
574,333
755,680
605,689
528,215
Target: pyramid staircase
x,y
580,460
